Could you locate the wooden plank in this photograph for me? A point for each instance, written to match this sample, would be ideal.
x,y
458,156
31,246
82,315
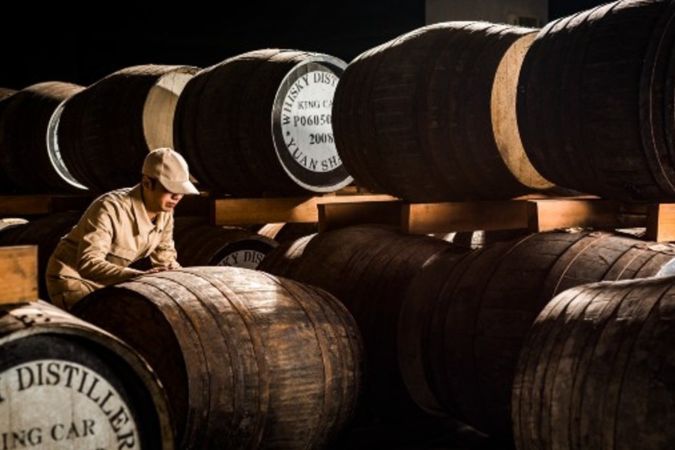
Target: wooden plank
x,y
339,215
17,205
360,198
347,190
425,218
242,211
25,205
18,274
249,211
542,196
546,215
661,222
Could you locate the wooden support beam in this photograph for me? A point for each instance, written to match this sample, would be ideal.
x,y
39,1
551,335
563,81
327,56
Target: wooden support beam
x,y
18,274
244,211
551,214
425,218
339,215
661,222
249,211
536,214
26,205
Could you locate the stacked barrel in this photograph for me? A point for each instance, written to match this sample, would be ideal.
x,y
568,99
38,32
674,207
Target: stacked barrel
x,y
103,133
260,123
255,124
26,163
595,103
452,111
430,116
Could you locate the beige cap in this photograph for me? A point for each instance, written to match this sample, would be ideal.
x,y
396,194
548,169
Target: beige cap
x,y
170,168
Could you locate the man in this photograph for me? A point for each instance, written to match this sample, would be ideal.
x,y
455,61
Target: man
x,y
119,228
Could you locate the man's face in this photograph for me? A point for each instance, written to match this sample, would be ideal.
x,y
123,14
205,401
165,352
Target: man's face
x,y
158,199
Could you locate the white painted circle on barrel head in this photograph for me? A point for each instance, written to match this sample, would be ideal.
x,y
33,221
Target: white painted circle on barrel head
x,y
58,404
306,124
505,119
160,107
54,152
248,259
306,121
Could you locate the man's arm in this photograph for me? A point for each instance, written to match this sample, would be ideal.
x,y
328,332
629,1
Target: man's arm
x,y
165,254
95,246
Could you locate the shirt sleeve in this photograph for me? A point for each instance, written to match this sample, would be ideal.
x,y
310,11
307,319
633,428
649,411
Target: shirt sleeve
x,y
95,245
164,255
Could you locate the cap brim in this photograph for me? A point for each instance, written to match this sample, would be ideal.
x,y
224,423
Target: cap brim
x,y
180,187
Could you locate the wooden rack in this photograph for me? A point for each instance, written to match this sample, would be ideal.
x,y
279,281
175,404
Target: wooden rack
x,y
533,214
28,205
335,211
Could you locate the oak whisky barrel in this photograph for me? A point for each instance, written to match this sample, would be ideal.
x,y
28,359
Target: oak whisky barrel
x,y
248,360
430,116
103,133
368,269
67,384
596,370
464,323
24,155
260,123
595,101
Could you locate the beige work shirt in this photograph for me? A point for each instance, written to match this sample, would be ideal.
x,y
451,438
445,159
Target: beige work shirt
x,y
114,232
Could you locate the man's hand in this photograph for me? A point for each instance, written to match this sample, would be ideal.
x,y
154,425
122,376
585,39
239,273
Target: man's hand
x,y
155,270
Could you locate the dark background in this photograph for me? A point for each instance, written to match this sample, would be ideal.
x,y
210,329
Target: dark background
x,y
39,43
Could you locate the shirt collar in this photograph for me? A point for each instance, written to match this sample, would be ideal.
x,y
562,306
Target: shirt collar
x,y
143,225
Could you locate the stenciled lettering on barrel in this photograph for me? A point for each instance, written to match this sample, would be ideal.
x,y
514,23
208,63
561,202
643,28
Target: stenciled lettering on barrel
x,y
306,124
248,259
58,404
